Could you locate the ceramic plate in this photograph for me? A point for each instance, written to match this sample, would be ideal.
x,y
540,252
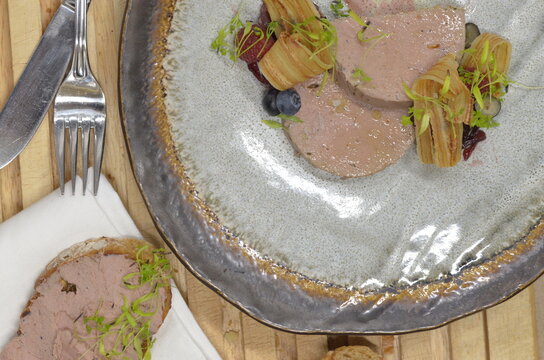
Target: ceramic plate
x,y
411,247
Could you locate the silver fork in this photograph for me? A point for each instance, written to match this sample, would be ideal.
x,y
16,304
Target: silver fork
x,y
80,104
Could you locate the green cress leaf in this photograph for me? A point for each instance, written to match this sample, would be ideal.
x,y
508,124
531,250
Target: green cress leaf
x,y
291,118
278,125
324,81
360,36
478,96
446,86
413,114
138,346
357,18
485,53
223,43
482,121
409,92
325,39
359,74
273,124
242,42
364,27
226,44
406,120
339,9
425,121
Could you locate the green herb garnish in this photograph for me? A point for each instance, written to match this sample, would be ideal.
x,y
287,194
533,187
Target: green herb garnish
x,y
242,46
291,118
227,44
132,329
339,9
422,115
278,125
413,113
317,42
362,39
320,41
273,124
482,121
365,25
484,82
223,43
446,86
359,74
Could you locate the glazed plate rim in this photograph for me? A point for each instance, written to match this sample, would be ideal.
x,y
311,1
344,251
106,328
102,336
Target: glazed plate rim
x,y
267,292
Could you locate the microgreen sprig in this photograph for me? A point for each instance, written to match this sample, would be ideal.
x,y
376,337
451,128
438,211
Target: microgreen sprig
x,y
365,25
482,121
274,124
413,113
360,75
226,42
484,81
422,115
242,46
339,8
320,41
223,44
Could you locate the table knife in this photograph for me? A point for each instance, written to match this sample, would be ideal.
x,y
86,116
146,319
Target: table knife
x,y
38,84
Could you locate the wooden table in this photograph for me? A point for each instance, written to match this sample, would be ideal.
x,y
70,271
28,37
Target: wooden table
x,y
511,331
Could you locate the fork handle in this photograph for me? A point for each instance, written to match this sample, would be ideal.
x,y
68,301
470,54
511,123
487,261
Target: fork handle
x,y
80,62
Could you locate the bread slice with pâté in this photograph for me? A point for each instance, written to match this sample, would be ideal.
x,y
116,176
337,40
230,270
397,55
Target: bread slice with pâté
x,y
100,299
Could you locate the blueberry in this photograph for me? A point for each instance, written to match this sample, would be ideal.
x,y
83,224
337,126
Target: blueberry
x,y
269,102
288,102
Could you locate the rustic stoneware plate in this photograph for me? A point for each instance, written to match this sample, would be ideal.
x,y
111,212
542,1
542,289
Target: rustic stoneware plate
x,y
409,248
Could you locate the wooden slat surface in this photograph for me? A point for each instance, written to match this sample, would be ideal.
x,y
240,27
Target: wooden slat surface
x,y
510,331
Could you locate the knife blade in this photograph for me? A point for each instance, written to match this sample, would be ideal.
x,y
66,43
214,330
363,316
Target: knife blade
x,y
38,84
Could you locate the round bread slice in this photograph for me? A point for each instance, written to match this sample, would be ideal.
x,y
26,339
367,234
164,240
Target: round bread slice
x,y
352,353
84,286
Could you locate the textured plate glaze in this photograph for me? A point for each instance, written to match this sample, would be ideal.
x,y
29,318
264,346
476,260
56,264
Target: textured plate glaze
x,y
409,248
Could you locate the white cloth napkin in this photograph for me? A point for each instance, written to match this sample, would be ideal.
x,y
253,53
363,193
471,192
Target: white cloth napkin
x,y
31,239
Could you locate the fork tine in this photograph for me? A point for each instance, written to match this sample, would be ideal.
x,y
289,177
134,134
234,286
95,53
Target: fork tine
x,y
60,131
99,134
73,150
85,137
